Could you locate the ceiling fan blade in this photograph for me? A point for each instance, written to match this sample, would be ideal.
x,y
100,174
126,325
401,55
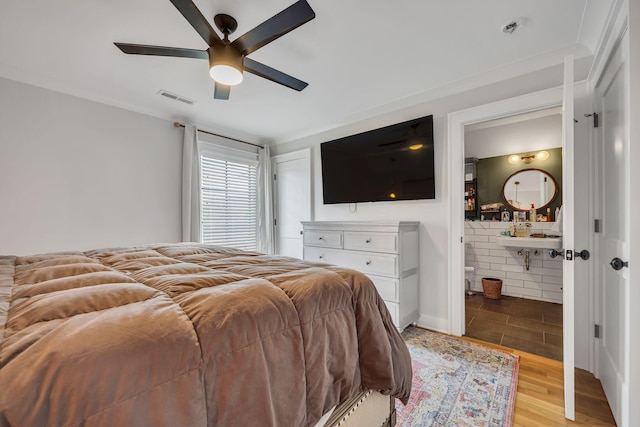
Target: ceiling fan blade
x,y
272,74
197,21
141,49
274,27
221,91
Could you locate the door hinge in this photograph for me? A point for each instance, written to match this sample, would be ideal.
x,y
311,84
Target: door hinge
x,y
274,176
275,221
461,239
596,331
596,225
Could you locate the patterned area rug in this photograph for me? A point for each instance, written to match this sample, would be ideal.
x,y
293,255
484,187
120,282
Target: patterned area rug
x,y
458,383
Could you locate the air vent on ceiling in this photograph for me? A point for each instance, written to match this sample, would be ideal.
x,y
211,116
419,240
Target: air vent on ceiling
x,y
175,97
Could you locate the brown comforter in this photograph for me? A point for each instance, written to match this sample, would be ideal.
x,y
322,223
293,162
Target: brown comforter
x,y
188,335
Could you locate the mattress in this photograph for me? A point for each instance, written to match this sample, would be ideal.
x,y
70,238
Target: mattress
x,y
189,334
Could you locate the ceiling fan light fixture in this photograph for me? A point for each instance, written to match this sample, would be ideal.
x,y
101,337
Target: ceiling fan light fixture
x,y
226,74
415,140
225,65
226,58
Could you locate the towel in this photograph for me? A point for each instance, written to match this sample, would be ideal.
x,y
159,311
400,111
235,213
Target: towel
x,y
557,227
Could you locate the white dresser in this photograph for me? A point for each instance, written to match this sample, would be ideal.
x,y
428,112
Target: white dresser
x,y
387,252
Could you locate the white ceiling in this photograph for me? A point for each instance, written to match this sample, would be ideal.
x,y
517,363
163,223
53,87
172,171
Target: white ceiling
x,y
358,56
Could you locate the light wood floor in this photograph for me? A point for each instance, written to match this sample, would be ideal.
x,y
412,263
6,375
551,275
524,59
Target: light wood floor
x,y
540,399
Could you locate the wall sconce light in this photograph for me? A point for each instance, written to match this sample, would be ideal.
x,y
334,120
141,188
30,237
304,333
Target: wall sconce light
x,y
528,158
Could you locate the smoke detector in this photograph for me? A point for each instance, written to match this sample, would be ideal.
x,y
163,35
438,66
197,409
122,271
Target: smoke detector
x,y
511,26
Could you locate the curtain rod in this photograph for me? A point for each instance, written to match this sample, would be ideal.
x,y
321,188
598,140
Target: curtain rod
x,y
180,125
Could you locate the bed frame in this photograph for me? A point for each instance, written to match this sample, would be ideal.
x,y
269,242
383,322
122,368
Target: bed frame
x,y
369,408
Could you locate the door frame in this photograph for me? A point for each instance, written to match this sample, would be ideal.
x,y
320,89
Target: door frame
x,y
633,340
456,123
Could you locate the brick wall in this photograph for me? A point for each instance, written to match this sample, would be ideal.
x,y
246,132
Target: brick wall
x,y
543,280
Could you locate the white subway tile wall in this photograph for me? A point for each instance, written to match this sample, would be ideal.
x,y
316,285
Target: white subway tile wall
x,y
543,280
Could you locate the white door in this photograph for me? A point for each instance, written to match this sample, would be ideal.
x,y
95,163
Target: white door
x,y
568,274
611,152
292,200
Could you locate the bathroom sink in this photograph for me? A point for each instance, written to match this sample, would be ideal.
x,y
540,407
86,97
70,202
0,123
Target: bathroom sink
x,y
530,242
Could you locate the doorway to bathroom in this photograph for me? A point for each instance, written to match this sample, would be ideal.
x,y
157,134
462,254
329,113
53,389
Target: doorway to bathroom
x,y
513,186
578,343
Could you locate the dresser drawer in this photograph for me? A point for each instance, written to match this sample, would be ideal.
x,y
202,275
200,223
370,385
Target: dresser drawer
x,y
387,288
373,242
369,263
328,256
325,239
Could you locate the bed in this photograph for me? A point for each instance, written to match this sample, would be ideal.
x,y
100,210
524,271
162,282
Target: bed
x,y
191,335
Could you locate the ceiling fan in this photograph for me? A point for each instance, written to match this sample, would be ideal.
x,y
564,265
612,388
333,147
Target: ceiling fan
x,y
227,59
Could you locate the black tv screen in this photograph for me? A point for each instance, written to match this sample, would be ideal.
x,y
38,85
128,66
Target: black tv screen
x,y
390,163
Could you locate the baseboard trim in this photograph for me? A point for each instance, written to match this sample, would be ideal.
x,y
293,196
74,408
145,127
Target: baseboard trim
x,y
433,323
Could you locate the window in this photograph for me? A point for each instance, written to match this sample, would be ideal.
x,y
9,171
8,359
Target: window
x,y
229,197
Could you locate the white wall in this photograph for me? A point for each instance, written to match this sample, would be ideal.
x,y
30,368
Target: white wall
x,y
432,214
76,174
526,136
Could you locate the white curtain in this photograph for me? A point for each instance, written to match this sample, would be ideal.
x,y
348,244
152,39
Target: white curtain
x,y
265,202
190,185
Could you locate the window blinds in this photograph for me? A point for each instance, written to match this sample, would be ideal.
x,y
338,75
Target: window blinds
x,y
229,200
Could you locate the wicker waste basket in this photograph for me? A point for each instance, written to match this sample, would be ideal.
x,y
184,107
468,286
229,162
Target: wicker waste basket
x,y
491,288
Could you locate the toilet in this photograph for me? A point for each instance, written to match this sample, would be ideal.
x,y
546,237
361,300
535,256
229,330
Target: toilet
x,y
468,279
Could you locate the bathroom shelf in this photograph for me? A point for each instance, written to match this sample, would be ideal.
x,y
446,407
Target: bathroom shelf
x,y
473,185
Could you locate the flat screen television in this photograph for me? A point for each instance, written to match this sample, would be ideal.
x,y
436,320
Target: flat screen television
x,y
391,163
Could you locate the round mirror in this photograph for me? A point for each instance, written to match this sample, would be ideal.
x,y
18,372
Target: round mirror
x,y
529,187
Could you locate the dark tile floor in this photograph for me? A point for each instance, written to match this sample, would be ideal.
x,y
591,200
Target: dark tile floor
x,y
523,324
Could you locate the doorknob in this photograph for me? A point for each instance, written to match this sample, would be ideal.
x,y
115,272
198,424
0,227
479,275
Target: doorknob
x,y
554,253
617,263
584,254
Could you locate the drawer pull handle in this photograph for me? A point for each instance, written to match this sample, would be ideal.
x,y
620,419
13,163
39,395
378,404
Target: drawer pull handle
x,y
368,241
321,257
368,262
320,238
